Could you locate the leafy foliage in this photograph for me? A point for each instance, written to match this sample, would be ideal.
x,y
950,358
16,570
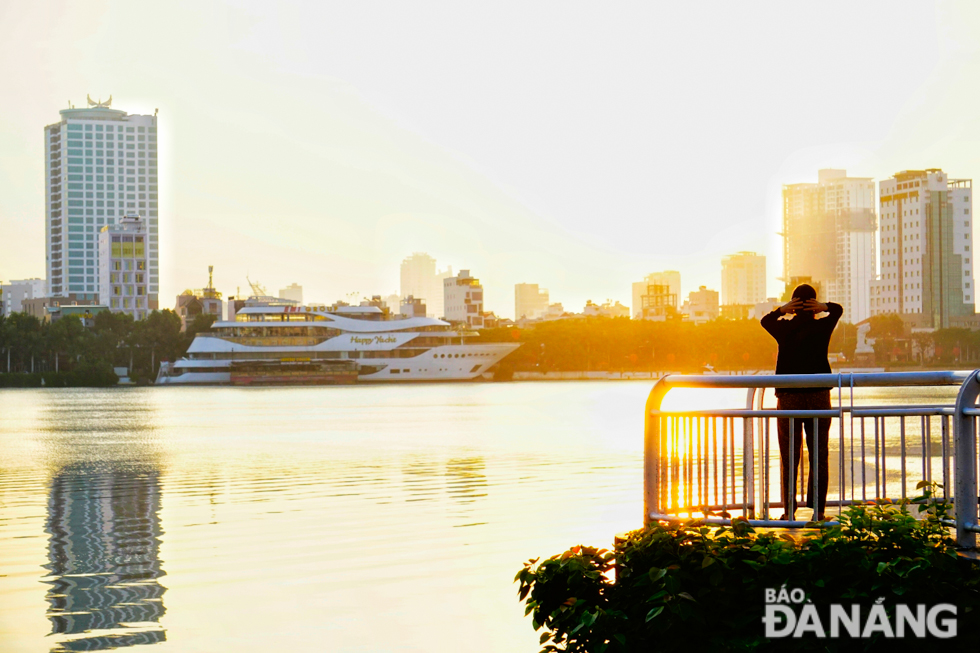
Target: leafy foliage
x,y
681,585
65,352
621,344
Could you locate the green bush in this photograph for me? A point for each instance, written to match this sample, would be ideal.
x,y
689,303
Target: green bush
x,y
85,376
693,587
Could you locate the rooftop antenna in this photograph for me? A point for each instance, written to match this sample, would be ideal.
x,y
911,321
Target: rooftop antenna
x,y
210,292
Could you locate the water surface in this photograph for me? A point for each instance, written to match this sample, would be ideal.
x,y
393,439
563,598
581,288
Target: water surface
x,y
364,518
355,518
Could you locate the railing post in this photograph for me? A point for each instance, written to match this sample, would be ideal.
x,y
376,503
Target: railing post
x,y
748,457
965,448
651,451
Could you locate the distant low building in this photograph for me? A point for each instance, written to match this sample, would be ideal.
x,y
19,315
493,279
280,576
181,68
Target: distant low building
x,y
36,307
192,303
736,311
491,321
701,305
412,306
293,291
463,299
85,312
235,304
15,293
608,309
762,309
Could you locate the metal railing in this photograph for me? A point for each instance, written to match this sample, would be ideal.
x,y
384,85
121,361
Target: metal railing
x,y
718,463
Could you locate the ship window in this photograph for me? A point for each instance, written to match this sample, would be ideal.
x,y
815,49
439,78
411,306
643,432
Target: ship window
x,y
396,371
475,368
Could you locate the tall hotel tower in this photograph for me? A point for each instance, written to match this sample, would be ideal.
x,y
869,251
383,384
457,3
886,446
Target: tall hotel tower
x,y
100,164
926,249
829,236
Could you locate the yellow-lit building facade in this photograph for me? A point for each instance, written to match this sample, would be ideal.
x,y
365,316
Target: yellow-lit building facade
x,y
123,267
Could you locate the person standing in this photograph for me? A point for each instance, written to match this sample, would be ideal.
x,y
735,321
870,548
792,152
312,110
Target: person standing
x,y
803,339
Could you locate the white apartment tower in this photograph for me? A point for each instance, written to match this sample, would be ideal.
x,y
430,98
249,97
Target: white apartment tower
x,y
926,242
463,299
669,278
100,163
123,267
829,236
530,302
743,279
420,280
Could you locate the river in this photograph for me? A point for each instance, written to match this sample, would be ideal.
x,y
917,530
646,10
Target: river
x,y
353,518
359,518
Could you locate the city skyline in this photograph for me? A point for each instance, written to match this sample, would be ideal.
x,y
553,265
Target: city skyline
x,y
580,190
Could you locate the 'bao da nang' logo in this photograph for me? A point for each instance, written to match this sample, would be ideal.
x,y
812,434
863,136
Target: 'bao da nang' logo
x,y
789,613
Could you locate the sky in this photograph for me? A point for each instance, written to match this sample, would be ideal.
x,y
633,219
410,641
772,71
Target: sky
x,y
575,145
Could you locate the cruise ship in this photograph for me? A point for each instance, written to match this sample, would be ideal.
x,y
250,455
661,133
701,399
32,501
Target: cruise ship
x,y
289,344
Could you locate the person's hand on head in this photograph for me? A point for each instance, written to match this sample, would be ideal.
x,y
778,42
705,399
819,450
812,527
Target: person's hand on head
x,y
791,306
814,306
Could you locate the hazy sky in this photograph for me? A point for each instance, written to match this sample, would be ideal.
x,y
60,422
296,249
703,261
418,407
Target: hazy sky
x,y
574,145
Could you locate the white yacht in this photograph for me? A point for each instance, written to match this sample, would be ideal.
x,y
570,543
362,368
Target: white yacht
x,y
289,344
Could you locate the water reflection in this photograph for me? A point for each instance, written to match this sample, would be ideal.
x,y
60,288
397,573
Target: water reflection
x,y
465,479
104,557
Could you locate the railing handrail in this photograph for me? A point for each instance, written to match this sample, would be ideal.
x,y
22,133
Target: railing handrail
x,y
843,379
963,414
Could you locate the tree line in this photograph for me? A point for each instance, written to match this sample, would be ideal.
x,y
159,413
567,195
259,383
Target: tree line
x,y
65,352
622,344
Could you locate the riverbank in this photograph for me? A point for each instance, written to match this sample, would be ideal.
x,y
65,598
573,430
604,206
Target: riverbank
x,y
648,376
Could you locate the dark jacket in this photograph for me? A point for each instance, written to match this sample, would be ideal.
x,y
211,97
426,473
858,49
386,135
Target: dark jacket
x,y
803,343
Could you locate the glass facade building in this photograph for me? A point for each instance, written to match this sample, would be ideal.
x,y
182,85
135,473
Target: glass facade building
x,y
100,164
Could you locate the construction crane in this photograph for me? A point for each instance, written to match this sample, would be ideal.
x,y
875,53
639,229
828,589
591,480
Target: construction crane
x,y
258,290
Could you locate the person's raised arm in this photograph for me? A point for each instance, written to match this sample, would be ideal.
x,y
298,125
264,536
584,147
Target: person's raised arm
x,y
770,321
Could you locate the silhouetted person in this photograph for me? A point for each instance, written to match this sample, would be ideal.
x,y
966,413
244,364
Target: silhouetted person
x,y
803,340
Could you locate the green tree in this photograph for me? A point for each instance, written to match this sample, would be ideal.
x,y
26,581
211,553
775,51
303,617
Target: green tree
x,y
888,331
113,338
156,338
67,339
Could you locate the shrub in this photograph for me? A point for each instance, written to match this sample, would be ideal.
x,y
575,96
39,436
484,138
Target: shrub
x,y
679,587
88,375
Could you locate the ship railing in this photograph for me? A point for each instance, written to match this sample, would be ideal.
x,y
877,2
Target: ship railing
x,y
717,464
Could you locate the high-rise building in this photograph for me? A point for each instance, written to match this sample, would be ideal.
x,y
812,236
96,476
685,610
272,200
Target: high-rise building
x,y
463,299
123,264
829,236
669,278
420,280
293,291
926,242
100,163
13,294
743,279
530,302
